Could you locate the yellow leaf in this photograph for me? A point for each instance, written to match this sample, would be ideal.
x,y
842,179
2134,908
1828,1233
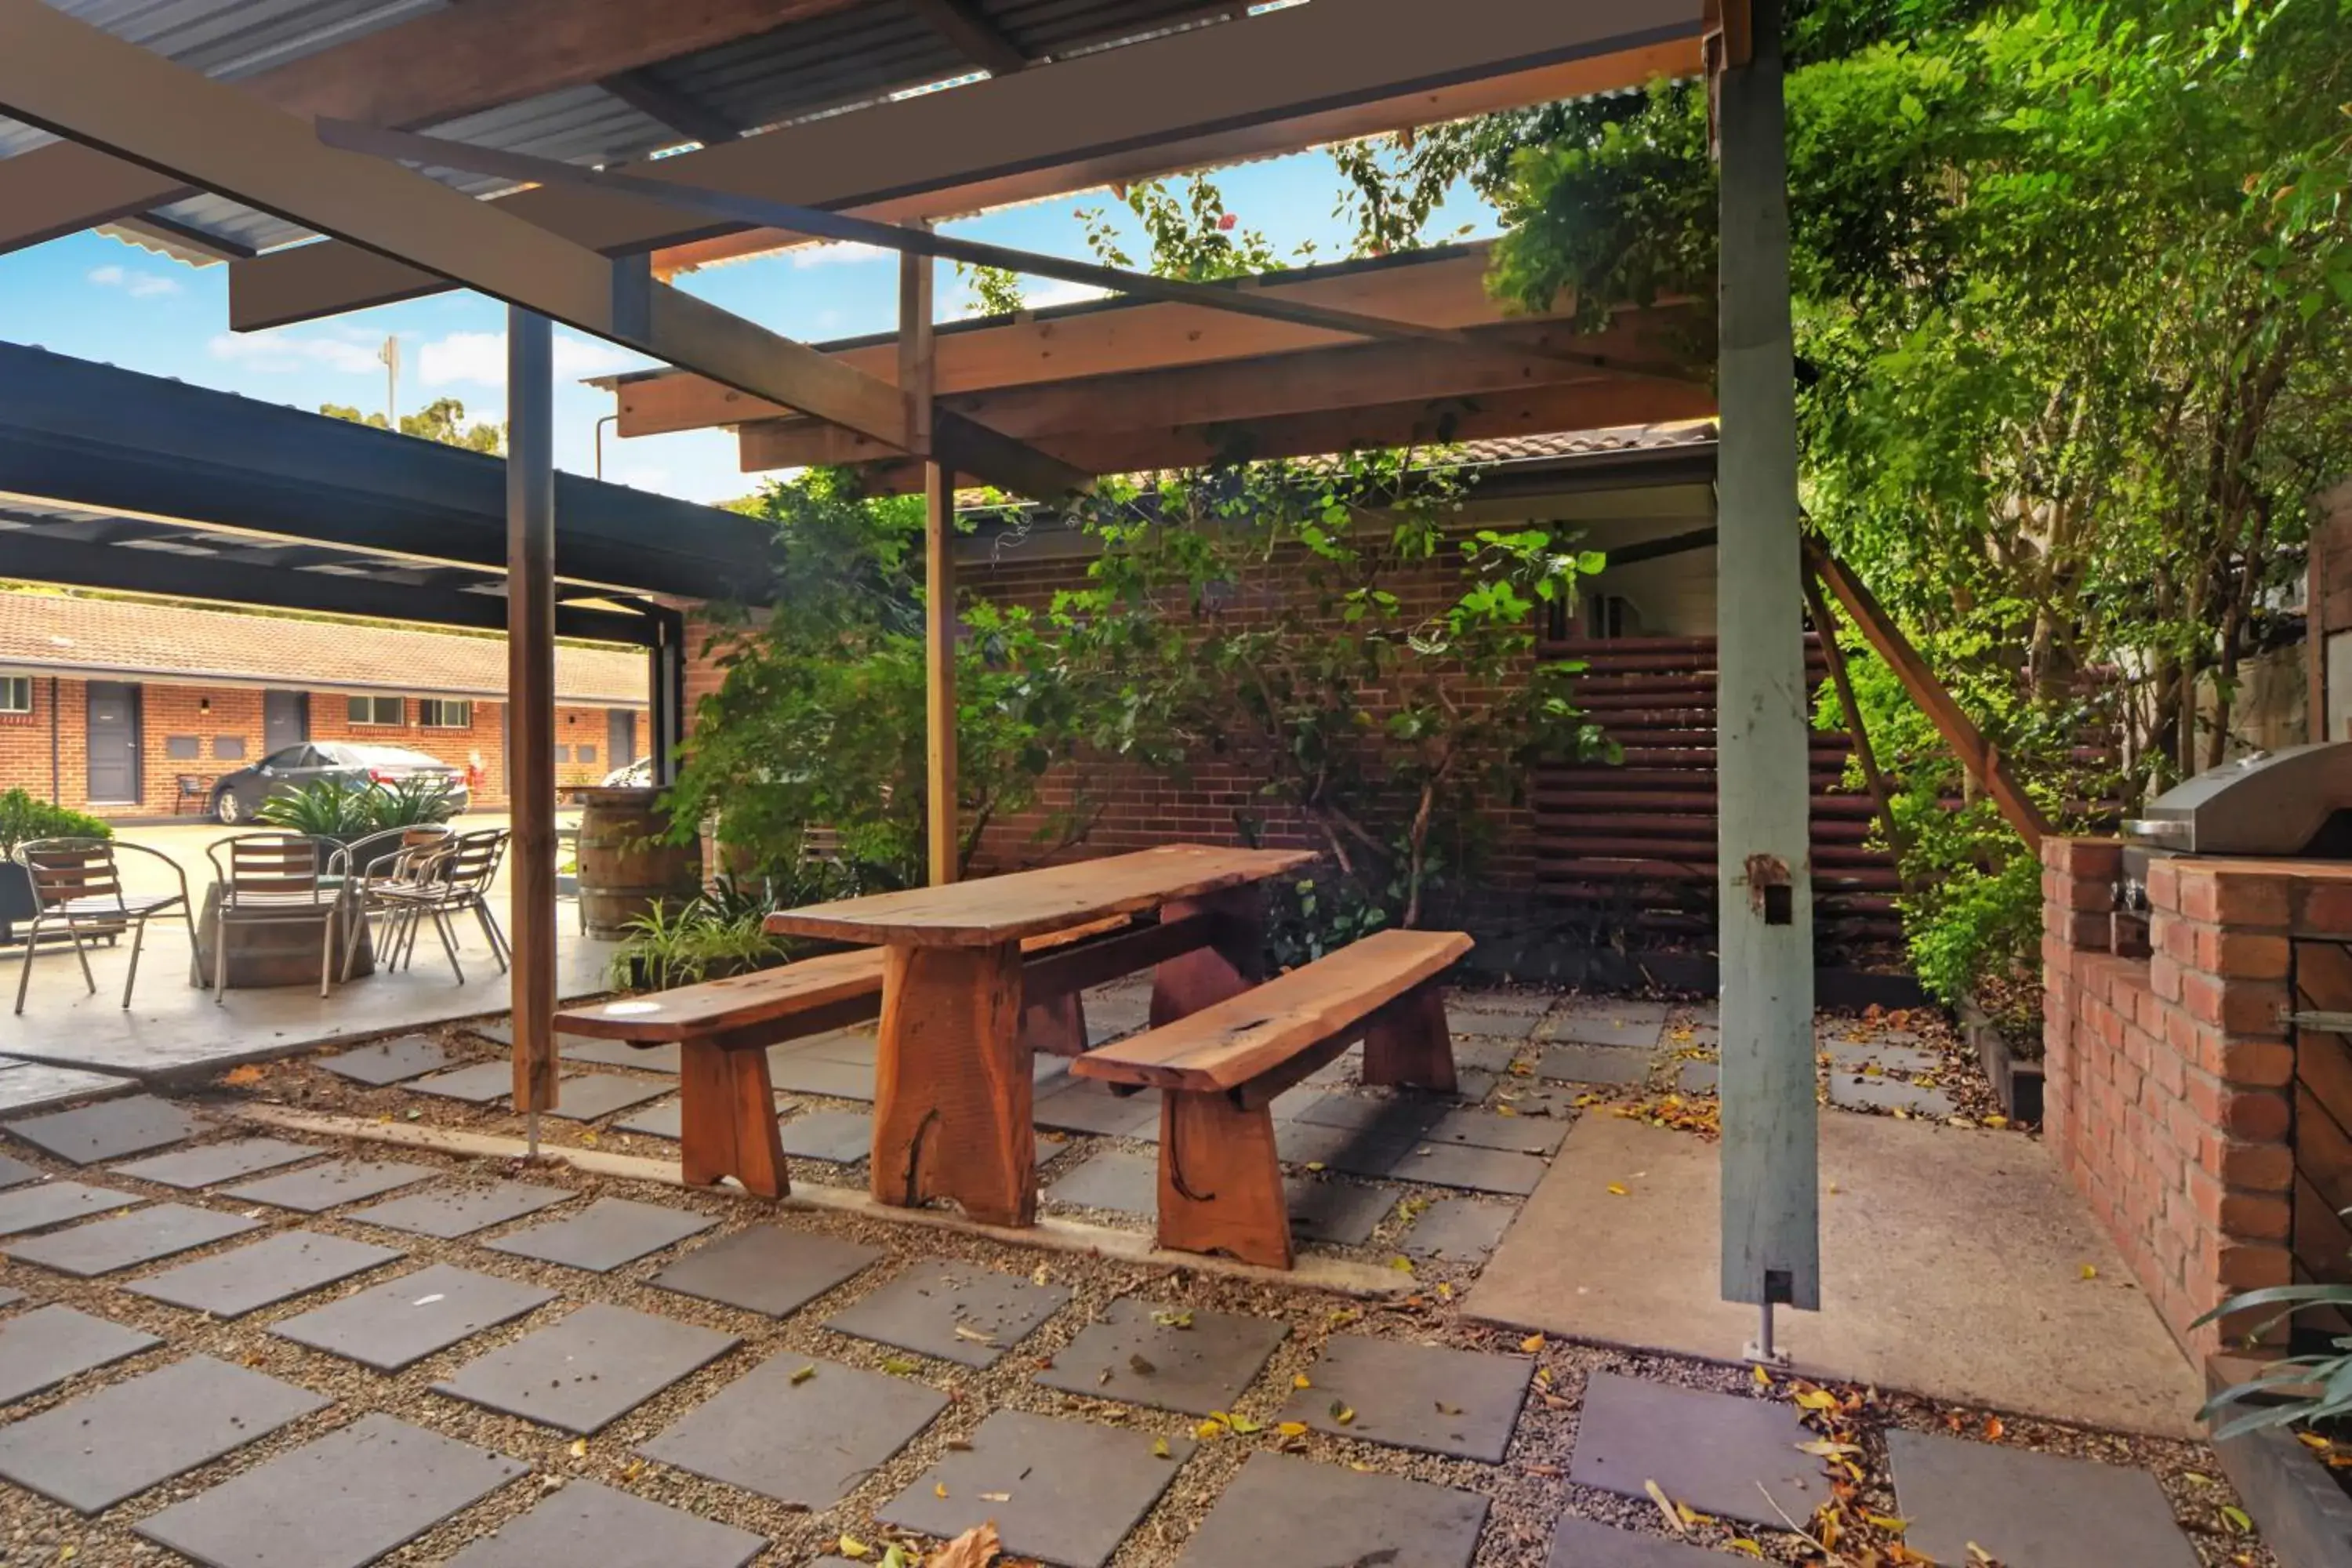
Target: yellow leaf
x,y
1823,1448
1889,1523
1674,1519
579,1447
1159,1449
1617,1189
803,1375
237,1078
1763,1378
1741,1544
2090,1271
996,1497
851,1547
1293,1428
2238,1520
1209,1430
1301,1382
1996,1122
1543,1375
1532,1343
1444,1291
1244,1425
1343,1413
1314,1164
939,1489
2313,1440
635,1468
1817,1399
1402,1264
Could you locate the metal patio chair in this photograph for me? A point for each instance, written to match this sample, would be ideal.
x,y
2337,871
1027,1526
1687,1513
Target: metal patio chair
x,y
77,885
459,880
369,873
272,879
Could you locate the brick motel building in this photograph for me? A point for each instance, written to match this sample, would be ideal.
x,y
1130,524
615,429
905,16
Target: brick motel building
x,y
111,706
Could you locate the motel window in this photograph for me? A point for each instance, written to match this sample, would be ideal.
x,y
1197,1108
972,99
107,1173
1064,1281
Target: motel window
x,y
15,694
381,712
440,714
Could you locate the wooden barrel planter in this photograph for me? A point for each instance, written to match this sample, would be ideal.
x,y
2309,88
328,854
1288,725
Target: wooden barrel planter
x,y
626,867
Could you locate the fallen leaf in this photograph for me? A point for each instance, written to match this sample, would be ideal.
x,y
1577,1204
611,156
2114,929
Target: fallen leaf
x,y
2194,1479
1159,1449
2238,1520
996,1497
1993,1429
2090,1271
1209,1431
1040,1275
1444,1291
1617,1189
900,1366
851,1547
940,1489
894,1556
1817,1399
1174,1319
1823,1448
1293,1428
1532,1343
1244,1425
1400,1263
1301,1382
1744,1546
635,1468
966,1332
1888,1521
803,1375
238,1078
1343,1413
1543,1375
1763,1378
579,1447
975,1548
1552,1472
1314,1164
1673,1518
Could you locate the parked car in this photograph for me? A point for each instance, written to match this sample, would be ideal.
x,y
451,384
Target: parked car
x,y
237,795
639,774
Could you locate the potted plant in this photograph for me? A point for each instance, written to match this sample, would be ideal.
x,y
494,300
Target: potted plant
x,y
23,818
345,813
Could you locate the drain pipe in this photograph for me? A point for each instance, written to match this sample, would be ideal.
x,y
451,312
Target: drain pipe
x,y
56,767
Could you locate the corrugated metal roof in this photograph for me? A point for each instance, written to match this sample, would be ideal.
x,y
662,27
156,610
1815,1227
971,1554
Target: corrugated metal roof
x,y
856,56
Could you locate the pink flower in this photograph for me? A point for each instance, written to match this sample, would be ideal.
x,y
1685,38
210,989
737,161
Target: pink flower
x,y
1224,223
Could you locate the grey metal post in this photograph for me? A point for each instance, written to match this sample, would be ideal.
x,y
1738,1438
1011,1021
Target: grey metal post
x,y
530,700
1772,1239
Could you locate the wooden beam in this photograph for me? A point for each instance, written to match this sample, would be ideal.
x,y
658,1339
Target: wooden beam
x,y
1583,406
451,61
942,817
76,81
1979,757
1316,381
658,101
975,38
530,704
1268,83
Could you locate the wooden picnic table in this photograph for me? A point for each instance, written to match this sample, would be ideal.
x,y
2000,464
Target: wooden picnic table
x,y
953,1074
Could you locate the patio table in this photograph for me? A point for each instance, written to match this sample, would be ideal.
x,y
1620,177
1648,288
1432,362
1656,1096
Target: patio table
x,y
953,1073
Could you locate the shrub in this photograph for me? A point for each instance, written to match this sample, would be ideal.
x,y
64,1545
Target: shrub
x,y
708,938
25,817
331,808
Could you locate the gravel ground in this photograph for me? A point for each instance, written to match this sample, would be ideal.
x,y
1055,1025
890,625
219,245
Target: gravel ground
x,y
1529,1491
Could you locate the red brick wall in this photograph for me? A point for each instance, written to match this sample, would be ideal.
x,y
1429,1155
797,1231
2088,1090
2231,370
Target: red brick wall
x,y
2168,1096
211,713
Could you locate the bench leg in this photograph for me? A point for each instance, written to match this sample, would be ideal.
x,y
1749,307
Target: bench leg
x,y
728,1120
1057,1028
1409,1043
1220,1182
953,1086
1182,986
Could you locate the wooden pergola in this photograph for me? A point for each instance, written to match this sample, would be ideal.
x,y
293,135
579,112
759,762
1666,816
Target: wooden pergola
x,y
584,228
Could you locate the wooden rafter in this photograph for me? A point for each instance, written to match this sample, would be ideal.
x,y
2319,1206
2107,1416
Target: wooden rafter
x,y
1273,82
975,38
658,101
69,77
451,61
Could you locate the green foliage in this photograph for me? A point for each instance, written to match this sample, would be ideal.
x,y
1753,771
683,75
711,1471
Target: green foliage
x,y
343,811
996,290
1192,235
685,944
25,817
2278,1397
442,420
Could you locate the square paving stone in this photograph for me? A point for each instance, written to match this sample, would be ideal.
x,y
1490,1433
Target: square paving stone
x,y
42,1348
1071,1491
1285,1510
1851,1091
767,1268
15,1172
586,1523
1486,1129
1427,1397
797,1074
605,1235
857,1046
666,1121
922,1309
108,1130
596,1094
1459,1230
503,1033
1444,1165
1082,1105
213,1164
1583,1544
1699,1077
477,1085
1311,1143
1853,1055
588,1371
1376,1115
317,1188
54,1203
388,1061
277,1268
1525,1097
1592,1063
116,1442
1115,1179
1712,1451
1341,1212
104,1245
802,1431
454,1208
401,1321
348,1498
1485,1056
622,1054
1608,1021
2029,1509
1143,1354
844,1137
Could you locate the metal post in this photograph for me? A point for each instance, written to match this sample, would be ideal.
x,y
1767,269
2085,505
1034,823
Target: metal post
x,y
530,700
1771,1241
665,679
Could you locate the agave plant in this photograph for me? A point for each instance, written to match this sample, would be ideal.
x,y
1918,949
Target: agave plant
x,y
414,801
329,808
2299,1390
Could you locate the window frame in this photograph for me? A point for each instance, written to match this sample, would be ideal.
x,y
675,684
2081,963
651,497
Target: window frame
x,y
428,707
351,712
9,709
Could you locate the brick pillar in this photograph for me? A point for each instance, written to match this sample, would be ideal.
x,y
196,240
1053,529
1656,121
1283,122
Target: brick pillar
x,y
2077,891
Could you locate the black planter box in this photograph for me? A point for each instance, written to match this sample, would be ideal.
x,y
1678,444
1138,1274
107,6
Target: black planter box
x,y
2018,1082
16,900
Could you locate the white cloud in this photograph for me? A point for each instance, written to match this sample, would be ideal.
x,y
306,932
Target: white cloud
x,y
281,352
832,255
138,285
480,359
1061,294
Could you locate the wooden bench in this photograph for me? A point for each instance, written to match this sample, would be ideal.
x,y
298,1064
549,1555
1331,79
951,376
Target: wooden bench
x,y
723,1029
1219,1068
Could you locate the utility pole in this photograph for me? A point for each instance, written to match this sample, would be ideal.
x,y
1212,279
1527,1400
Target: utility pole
x,y
389,354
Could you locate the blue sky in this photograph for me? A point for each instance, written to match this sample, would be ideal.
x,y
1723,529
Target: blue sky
x,y
98,299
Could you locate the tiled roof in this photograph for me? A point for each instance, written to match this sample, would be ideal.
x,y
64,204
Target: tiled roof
x,y
1591,442
58,632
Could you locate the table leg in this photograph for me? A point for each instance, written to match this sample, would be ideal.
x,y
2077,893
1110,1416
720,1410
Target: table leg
x,y
953,1084
728,1120
1056,1027
1184,984
1409,1043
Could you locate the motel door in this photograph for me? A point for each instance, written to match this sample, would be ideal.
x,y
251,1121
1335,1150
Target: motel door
x,y
621,736
285,719
113,743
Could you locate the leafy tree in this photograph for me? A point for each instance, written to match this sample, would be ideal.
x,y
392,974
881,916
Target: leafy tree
x,y
442,420
996,290
1192,235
